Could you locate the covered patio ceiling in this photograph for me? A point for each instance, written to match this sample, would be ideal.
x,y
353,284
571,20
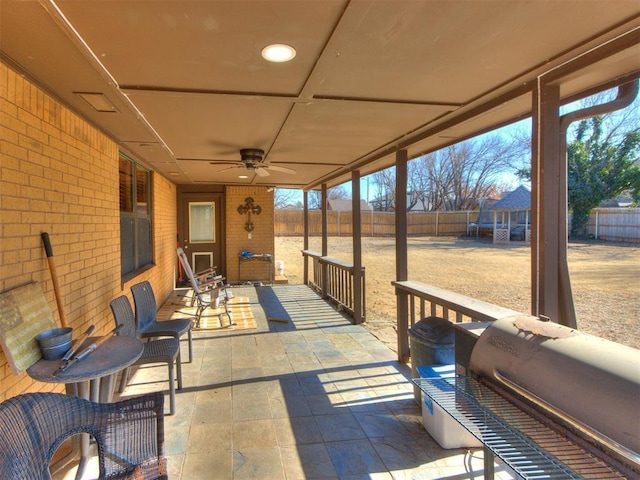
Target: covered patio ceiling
x,y
190,88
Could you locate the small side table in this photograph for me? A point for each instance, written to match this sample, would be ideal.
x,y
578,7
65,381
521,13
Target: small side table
x,y
262,257
90,378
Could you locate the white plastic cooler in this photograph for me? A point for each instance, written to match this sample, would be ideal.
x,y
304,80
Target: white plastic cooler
x,y
442,427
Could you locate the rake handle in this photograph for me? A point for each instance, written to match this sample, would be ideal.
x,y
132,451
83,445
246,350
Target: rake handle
x,y
54,277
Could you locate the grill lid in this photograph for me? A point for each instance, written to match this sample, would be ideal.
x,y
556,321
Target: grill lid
x,y
588,379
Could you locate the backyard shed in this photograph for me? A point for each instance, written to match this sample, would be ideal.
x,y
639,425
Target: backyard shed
x,y
512,216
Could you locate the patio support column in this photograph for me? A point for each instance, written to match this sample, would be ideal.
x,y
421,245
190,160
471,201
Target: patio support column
x,y
325,243
305,239
358,290
402,274
546,192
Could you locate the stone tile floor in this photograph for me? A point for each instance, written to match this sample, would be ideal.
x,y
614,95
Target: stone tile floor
x,y
313,398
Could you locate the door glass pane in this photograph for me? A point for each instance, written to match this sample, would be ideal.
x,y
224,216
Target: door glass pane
x,y
201,222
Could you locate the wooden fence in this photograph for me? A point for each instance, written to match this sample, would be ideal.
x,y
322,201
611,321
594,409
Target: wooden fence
x,y
375,224
612,224
615,224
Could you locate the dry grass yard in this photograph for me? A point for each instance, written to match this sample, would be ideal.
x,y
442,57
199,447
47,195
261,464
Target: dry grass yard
x,y
605,278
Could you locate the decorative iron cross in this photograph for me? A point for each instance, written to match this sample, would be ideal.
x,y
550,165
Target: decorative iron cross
x,y
249,208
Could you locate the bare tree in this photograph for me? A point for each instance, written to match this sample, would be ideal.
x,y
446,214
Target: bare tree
x,y
286,198
338,192
453,178
461,174
384,183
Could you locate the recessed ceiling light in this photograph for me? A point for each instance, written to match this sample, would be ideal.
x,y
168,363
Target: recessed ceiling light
x,y
243,176
278,52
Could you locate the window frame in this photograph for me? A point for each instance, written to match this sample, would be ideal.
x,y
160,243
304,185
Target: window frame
x,y
136,223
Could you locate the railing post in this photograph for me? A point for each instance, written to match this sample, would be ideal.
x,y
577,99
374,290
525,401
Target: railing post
x,y
402,308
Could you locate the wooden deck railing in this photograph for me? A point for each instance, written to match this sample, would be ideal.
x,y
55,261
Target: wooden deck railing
x,y
417,300
333,279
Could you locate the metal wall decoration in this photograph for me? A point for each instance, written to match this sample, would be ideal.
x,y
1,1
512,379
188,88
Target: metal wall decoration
x,y
249,208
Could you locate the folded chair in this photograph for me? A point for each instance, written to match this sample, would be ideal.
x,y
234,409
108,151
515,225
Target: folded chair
x,y
206,294
129,434
162,350
147,322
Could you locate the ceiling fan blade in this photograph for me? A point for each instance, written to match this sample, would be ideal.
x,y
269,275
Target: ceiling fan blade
x,y
230,168
261,172
224,162
276,168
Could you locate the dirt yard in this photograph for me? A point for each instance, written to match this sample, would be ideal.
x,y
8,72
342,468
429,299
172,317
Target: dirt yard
x,y
605,278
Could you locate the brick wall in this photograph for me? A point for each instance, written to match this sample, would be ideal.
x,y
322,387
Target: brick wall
x,y
59,175
237,238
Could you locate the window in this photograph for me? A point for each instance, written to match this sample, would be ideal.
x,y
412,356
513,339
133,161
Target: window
x,y
135,216
202,224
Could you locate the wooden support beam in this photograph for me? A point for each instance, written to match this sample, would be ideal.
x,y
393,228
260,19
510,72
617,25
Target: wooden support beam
x,y
545,192
305,203
357,246
401,255
325,240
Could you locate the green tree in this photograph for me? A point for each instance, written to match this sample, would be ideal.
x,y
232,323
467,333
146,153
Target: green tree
x,y
600,167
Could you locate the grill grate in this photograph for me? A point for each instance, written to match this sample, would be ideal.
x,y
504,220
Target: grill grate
x,y
529,447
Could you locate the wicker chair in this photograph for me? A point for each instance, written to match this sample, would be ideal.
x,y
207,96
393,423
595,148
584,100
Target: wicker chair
x,y
162,350
147,321
129,434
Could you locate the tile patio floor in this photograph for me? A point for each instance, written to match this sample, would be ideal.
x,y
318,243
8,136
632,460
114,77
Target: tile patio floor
x,y
314,398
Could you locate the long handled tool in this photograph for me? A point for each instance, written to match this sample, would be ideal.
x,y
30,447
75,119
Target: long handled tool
x,y
69,355
54,277
87,350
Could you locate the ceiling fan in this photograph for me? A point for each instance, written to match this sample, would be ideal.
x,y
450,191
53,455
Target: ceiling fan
x,y
252,159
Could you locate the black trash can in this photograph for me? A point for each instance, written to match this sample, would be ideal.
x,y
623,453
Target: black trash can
x,y
431,342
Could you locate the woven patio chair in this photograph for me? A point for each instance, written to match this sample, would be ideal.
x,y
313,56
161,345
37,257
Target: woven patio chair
x,y
208,294
129,434
147,322
161,350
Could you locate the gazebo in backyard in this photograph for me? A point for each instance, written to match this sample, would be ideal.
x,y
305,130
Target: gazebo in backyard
x,y
512,216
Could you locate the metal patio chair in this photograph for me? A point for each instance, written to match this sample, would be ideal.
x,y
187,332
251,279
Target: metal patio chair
x,y
147,322
161,350
207,294
129,434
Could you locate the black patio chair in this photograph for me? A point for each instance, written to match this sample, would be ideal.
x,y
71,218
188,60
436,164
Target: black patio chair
x,y
129,434
161,350
147,322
